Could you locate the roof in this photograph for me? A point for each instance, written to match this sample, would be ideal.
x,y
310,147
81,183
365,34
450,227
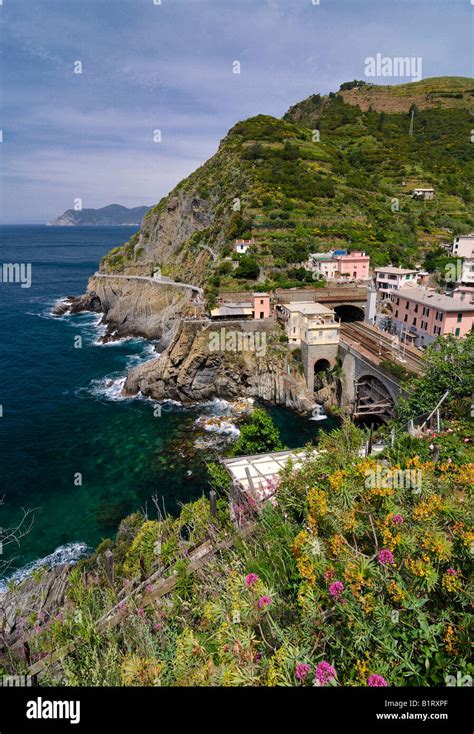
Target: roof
x,y
307,307
233,309
261,467
261,295
322,256
431,298
394,271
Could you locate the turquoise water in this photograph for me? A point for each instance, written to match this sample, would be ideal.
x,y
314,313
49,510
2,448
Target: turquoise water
x,y
63,415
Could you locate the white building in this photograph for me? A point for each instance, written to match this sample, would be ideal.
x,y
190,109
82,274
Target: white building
x,y
312,323
389,278
463,246
323,263
241,246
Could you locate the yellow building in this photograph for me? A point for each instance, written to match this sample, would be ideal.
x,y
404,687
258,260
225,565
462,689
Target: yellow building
x,y
311,323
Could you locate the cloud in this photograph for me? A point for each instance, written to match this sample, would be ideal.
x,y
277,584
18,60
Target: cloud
x,y
170,67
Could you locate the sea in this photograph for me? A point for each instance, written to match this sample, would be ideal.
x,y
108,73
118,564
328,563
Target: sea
x,y
76,456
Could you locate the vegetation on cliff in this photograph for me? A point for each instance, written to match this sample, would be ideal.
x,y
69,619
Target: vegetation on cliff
x,y
328,174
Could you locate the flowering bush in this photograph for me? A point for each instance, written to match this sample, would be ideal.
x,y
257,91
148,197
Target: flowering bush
x,y
341,582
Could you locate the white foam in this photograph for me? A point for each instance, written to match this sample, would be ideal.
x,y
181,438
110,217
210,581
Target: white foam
x,y
109,388
222,427
69,553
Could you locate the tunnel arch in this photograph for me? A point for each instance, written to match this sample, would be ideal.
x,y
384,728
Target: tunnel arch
x,y
347,313
320,370
373,398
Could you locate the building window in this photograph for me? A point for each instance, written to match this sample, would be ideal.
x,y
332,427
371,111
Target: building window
x,y
414,322
459,318
398,301
457,332
416,308
406,317
396,313
407,305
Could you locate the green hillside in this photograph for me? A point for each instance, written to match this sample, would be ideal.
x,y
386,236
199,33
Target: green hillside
x,y
327,174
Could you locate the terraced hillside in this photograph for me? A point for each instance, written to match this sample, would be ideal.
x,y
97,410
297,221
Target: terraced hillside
x,y
337,170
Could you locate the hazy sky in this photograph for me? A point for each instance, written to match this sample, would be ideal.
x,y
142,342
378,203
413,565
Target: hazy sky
x,y
169,66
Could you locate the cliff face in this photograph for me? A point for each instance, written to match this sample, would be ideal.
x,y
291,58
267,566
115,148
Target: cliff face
x,y
191,370
130,307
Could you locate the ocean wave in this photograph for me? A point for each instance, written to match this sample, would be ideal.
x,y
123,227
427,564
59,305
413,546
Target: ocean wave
x,y
109,388
148,352
68,553
217,424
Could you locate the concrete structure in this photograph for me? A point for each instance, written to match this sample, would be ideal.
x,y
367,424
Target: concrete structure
x,y
310,322
389,278
370,314
315,329
355,264
463,246
421,193
368,390
241,246
423,315
258,308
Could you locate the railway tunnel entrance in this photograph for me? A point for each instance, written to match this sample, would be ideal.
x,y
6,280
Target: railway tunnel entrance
x,y
349,313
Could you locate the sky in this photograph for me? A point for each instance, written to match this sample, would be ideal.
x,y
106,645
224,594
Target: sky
x,y
170,66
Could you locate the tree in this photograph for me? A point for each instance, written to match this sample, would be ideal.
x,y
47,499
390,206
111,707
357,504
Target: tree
x,y
248,268
448,365
258,436
12,536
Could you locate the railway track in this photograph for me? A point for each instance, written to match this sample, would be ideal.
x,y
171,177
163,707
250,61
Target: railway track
x,y
381,346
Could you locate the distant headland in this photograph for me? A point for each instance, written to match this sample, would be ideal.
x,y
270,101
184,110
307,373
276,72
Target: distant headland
x,y
107,216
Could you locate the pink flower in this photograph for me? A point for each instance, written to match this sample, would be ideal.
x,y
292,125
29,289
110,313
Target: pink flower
x,y
149,589
258,656
122,605
302,670
398,519
140,613
386,557
466,440
329,574
157,626
452,572
376,681
324,673
58,616
336,589
251,579
264,601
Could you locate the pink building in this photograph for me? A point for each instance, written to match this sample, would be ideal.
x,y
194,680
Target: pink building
x,y
354,264
261,306
420,315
